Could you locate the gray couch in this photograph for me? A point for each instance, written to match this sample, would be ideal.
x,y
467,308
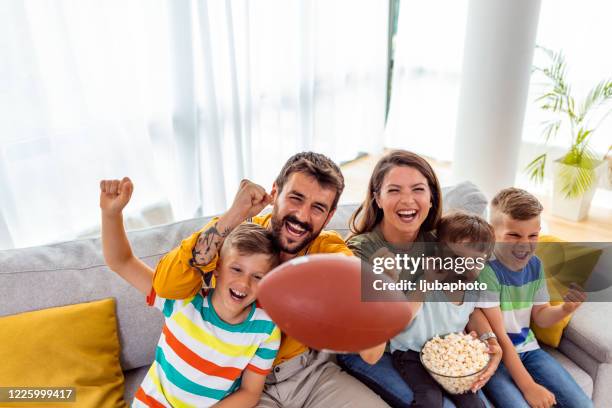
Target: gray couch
x,y
74,272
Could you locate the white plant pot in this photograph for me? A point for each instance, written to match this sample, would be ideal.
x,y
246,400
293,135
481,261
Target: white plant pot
x,y
574,209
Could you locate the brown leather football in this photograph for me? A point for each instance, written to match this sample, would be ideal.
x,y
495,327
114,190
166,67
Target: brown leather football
x,y
317,300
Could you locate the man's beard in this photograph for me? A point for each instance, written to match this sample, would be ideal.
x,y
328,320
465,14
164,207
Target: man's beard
x,y
277,231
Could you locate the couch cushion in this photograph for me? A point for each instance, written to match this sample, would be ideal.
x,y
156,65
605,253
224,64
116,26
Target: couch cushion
x,y
57,275
465,196
340,220
582,359
69,346
583,379
588,330
552,257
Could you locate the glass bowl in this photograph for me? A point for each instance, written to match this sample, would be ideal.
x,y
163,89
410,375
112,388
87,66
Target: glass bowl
x,y
454,384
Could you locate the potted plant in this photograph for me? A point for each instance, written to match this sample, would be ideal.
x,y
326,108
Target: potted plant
x,y
577,172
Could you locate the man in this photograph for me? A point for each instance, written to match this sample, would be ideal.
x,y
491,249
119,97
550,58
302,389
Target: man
x,y
304,197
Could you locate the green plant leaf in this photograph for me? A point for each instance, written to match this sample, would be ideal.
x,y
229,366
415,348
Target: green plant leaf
x,y
599,95
582,157
555,72
590,158
553,102
545,96
557,99
579,175
582,136
575,180
535,168
571,108
551,129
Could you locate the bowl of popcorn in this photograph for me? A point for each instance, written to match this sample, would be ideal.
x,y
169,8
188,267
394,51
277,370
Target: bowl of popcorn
x,y
455,360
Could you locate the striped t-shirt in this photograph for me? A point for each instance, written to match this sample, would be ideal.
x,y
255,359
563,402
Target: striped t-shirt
x,y
199,359
515,293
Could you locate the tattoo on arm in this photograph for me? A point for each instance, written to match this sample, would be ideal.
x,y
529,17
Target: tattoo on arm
x,y
208,244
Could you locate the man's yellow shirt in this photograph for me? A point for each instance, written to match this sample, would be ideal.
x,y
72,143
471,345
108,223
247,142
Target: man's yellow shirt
x,y
176,278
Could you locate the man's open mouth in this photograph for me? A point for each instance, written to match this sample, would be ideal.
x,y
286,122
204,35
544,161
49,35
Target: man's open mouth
x,y
294,229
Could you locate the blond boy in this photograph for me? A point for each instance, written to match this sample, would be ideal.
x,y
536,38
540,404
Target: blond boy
x,y
217,346
517,294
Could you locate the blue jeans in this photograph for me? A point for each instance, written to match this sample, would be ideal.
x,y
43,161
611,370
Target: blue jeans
x,y
384,380
546,371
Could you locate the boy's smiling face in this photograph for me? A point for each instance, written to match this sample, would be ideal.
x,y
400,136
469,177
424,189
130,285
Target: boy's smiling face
x,y
238,279
516,240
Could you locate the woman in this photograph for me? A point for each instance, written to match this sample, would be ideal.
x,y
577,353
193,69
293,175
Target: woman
x,y
400,214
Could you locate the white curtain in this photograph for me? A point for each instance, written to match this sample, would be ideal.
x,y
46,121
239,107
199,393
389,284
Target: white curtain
x,y
426,76
285,76
185,97
84,95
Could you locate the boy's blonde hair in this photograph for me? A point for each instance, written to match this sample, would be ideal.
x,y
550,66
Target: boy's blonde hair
x,y
519,204
250,239
461,226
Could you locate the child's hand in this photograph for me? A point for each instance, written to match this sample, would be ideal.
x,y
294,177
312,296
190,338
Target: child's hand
x,y
539,397
495,352
373,354
573,298
115,194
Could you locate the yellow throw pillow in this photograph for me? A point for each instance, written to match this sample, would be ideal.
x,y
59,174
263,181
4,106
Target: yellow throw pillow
x,y
563,263
69,346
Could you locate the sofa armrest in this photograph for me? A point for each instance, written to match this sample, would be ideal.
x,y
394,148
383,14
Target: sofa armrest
x,y
590,330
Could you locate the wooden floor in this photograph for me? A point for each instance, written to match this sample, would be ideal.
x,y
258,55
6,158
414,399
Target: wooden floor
x,y
596,228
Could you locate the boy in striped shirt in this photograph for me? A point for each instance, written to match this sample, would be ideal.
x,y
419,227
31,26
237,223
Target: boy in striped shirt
x,y
517,294
216,347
